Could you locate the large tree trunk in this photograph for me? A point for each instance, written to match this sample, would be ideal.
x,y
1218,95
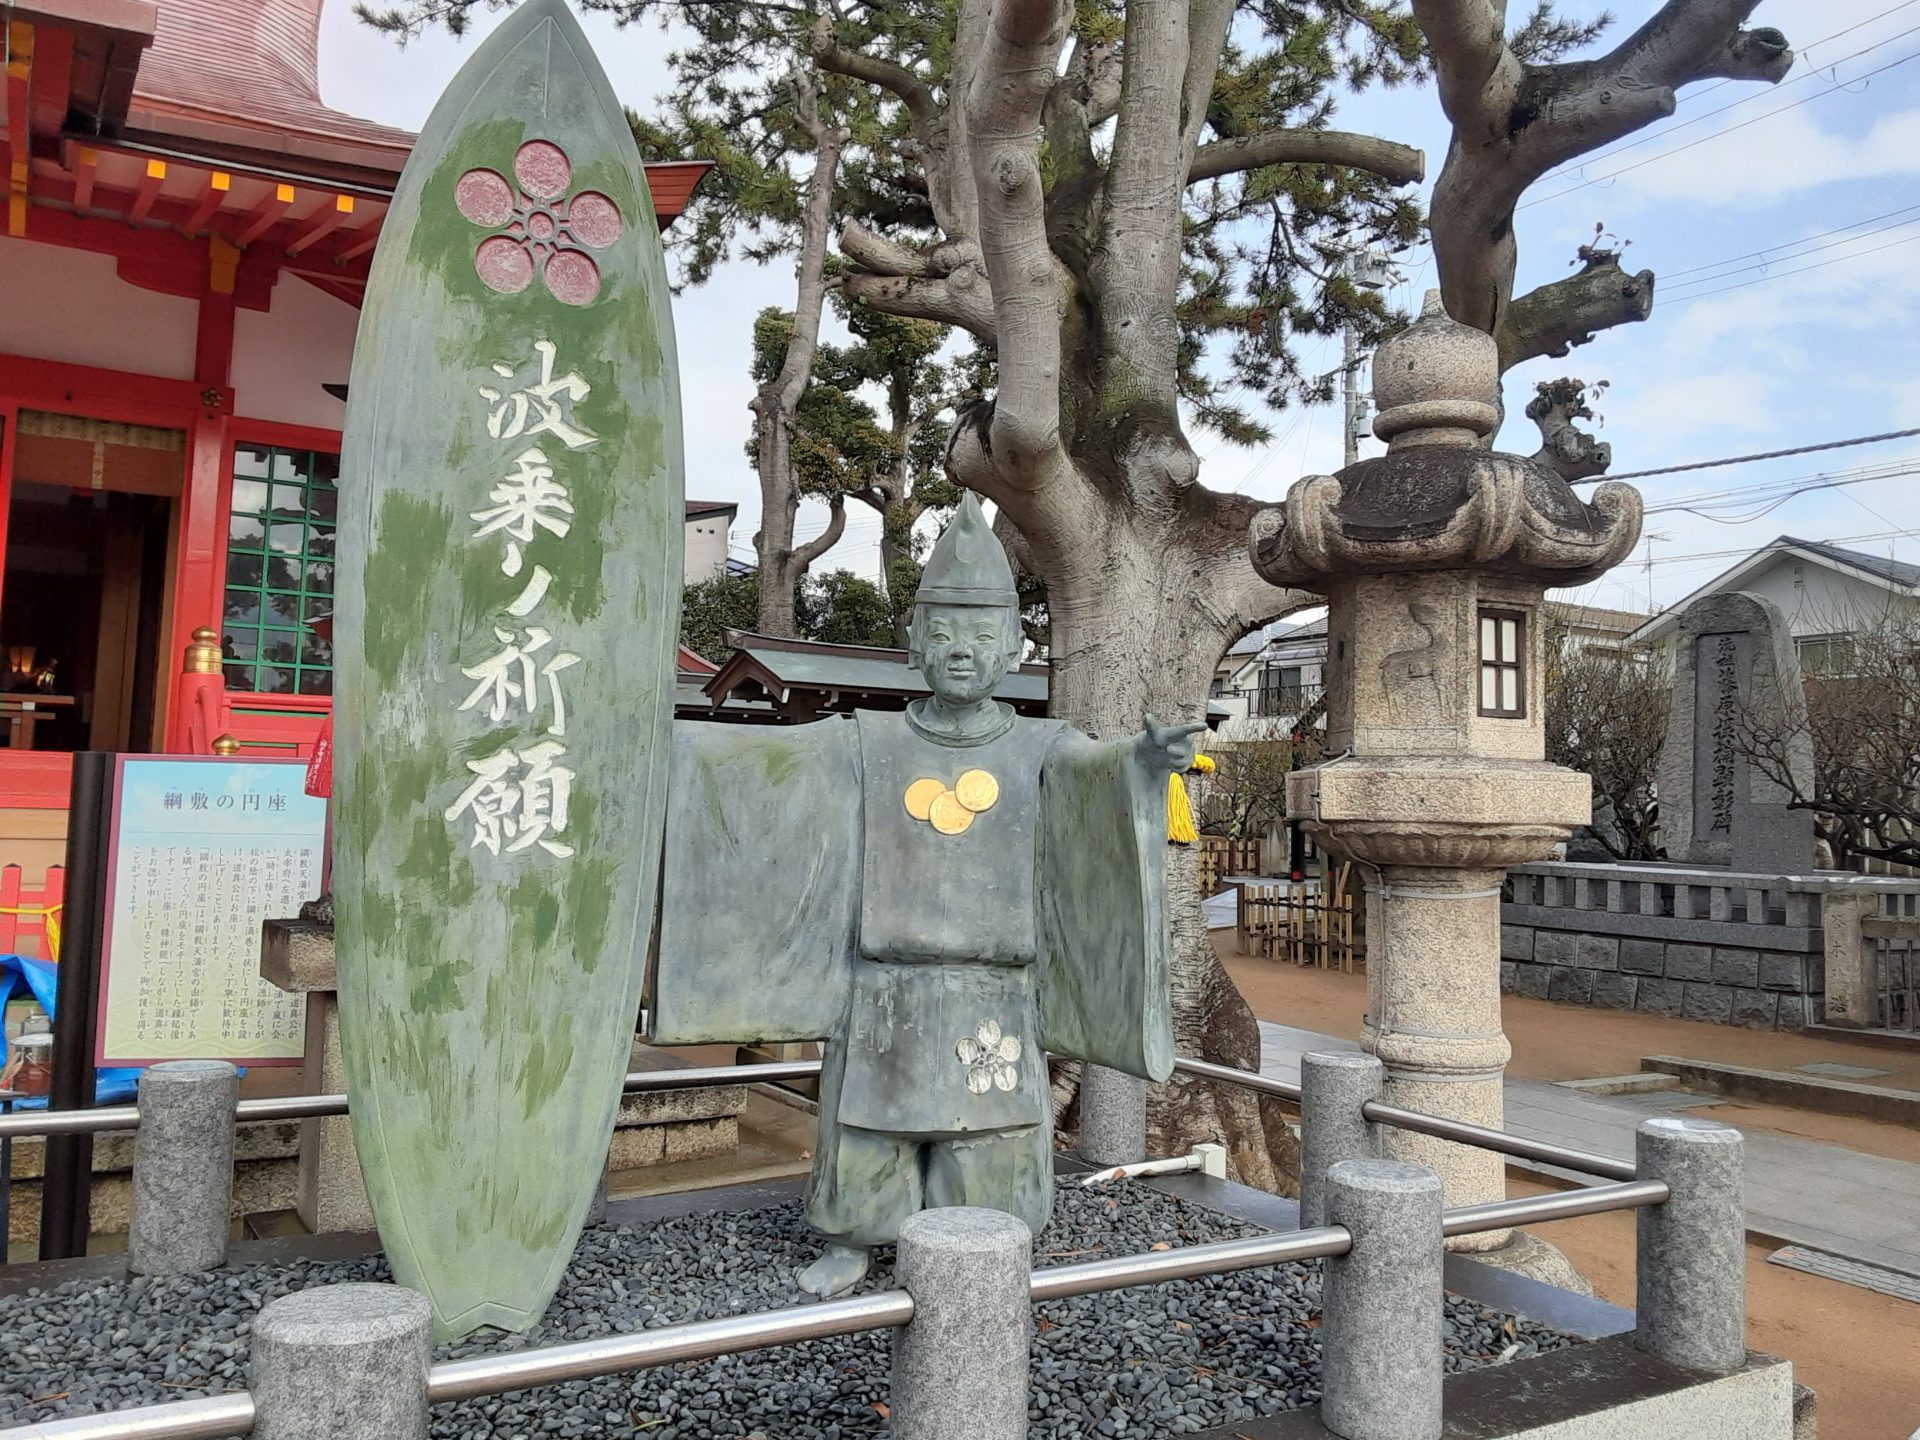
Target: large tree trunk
x,y
1129,642
783,564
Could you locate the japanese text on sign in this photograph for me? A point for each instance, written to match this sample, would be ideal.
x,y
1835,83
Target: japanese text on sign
x,y
518,797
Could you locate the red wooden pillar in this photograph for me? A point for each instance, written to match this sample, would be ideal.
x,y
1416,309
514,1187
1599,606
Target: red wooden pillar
x,y
200,570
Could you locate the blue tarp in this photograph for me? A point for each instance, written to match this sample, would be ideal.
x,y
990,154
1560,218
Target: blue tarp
x,y
20,973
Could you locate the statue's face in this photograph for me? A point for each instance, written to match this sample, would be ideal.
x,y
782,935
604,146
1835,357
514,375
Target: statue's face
x,y
963,650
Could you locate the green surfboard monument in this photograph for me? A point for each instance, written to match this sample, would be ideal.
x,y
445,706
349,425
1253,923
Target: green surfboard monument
x,y
508,605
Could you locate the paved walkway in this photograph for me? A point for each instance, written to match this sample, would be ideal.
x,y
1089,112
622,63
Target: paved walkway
x,y
1862,1207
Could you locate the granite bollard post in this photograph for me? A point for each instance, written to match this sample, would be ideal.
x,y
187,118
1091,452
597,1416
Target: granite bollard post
x,y
342,1360
1113,1116
182,1167
1333,1087
960,1366
1691,1282
1382,1307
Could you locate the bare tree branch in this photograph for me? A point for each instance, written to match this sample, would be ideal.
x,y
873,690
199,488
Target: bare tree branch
x,y
837,59
1553,318
1136,270
1472,64
778,400
945,283
806,554
1513,122
1402,164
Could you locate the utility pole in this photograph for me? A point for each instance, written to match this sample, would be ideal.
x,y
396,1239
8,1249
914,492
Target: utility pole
x,y
1369,268
1651,536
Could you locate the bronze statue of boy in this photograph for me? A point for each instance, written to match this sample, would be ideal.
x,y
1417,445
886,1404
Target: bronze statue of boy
x,y
943,896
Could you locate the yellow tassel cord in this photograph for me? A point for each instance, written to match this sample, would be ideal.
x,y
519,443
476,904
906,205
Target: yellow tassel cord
x,y
49,925
1180,828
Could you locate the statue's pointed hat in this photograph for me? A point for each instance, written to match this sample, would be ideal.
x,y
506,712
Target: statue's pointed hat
x,y
967,566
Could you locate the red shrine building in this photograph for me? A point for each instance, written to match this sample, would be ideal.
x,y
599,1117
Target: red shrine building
x,y
186,235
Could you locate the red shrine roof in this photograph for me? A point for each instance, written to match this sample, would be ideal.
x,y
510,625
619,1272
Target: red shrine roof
x,y
263,94
204,118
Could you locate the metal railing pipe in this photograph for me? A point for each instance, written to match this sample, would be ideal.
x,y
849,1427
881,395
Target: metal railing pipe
x,y
648,1349
69,1122
1266,1084
1562,1205
1423,1124
1120,1271
309,1107
211,1418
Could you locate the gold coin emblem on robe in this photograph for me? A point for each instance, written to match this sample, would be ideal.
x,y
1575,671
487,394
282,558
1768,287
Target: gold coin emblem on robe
x,y
977,790
920,797
948,815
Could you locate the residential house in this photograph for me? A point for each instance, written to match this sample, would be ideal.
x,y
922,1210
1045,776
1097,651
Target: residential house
x,y
708,524
1826,592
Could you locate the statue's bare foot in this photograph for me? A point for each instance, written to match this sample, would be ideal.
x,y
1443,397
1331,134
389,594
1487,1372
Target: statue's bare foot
x,y
836,1271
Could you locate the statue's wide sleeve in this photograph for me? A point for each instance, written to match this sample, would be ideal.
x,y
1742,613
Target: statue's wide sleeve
x,y
1101,891
760,884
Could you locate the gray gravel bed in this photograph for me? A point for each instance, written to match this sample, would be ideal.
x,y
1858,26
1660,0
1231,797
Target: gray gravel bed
x,y
1159,1360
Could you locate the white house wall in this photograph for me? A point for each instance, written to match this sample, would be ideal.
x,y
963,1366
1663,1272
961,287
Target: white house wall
x,y
706,553
73,307
1816,599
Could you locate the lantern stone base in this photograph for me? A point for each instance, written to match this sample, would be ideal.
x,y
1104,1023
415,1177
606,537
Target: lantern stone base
x,y
1437,832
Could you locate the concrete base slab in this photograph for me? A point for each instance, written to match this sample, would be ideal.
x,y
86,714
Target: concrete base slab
x,y
1619,1084
1832,1071
1792,1088
1602,1391
1897,1283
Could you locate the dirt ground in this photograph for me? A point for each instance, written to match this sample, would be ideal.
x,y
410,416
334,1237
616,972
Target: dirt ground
x,y
1571,1042
1858,1350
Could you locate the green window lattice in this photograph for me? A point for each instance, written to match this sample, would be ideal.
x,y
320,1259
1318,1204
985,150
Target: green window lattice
x,y
280,570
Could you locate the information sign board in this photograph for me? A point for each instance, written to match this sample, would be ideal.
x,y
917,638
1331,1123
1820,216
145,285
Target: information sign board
x,y
200,851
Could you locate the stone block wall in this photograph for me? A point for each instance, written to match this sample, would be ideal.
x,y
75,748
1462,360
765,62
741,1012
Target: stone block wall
x,y
1680,978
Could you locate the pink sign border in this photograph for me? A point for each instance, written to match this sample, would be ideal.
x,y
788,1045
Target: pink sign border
x,y
112,861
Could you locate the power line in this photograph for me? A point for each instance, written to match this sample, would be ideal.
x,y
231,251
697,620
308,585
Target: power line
x,y
1772,494
1763,455
1776,253
1748,549
1721,134
1798,270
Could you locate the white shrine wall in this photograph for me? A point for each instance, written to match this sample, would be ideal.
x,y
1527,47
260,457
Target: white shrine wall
x,y
282,356
73,307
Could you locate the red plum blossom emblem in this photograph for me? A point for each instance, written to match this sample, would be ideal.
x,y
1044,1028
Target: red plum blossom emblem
x,y
542,228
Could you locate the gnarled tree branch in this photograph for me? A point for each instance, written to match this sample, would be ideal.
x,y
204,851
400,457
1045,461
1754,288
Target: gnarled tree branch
x,y
1513,122
1553,318
1402,164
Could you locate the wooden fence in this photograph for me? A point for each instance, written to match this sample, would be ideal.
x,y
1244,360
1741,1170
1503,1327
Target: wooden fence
x,y
30,919
1218,856
1305,922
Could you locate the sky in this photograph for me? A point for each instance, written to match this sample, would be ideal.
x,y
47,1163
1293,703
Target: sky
x,y
1782,222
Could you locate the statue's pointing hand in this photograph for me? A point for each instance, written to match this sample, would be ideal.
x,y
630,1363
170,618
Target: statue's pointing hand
x,y
1166,748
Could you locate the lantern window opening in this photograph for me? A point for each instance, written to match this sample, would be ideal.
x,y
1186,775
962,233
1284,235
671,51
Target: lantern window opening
x,y
1503,680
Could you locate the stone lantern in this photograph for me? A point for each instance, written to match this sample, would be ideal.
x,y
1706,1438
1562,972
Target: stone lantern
x,y
1434,559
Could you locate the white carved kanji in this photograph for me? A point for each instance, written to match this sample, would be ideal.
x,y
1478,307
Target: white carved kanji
x,y
518,799
528,499
542,406
507,677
